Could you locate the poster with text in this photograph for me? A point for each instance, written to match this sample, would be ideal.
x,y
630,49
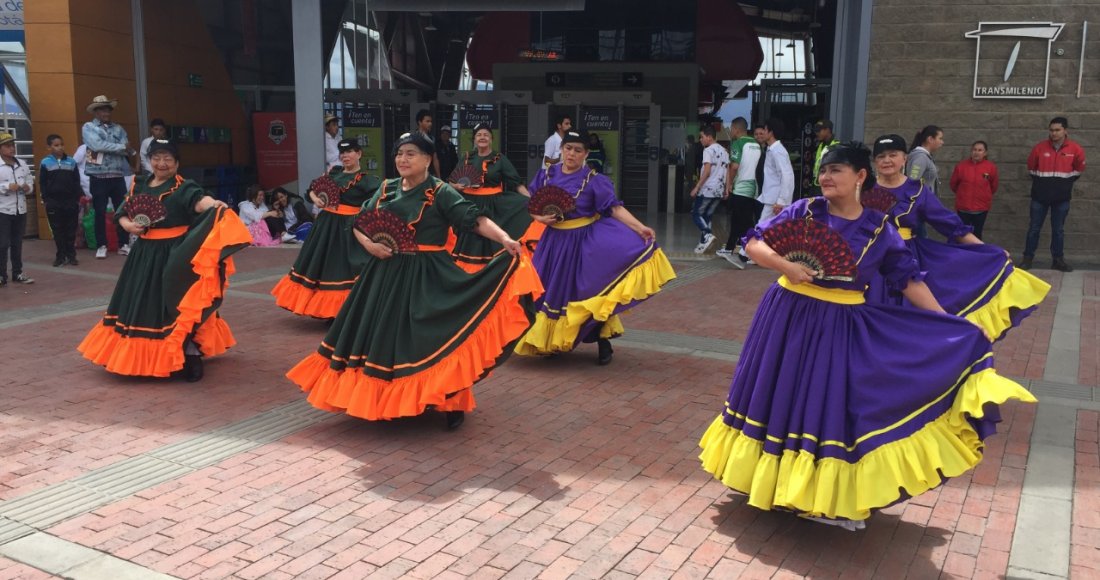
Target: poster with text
x,y
276,142
604,123
365,124
470,117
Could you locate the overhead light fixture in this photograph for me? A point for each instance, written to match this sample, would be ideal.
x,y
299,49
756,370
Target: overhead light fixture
x,y
791,44
780,53
430,27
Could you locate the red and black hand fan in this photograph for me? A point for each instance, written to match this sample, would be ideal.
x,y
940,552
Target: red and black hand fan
x,y
385,227
879,198
327,190
552,201
145,210
466,175
814,245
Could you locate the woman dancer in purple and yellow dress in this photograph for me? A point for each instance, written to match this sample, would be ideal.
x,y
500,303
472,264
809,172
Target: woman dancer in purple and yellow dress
x,y
833,412
968,278
596,263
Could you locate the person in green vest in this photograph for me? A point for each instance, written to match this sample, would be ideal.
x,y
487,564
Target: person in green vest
x,y
823,132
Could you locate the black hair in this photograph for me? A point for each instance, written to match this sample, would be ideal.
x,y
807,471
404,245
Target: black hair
x,y
1061,121
774,125
853,154
740,122
561,119
982,143
51,137
421,114
158,122
924,135
708,130
416,139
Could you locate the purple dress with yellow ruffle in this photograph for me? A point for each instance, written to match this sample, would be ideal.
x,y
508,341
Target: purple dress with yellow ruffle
x,y
976,281
837,407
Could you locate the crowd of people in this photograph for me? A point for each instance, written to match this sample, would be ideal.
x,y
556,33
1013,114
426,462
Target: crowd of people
x,y
428,282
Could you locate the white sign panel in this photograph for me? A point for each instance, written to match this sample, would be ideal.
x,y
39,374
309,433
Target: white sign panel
x,y
1013,59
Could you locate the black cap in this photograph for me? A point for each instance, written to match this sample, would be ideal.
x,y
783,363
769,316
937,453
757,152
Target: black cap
x,y
484,126
851,153
890,142
348,145
162,145
575,137
415,138
823,124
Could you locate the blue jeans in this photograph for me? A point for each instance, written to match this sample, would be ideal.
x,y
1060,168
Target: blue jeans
x,y
1058,212
702,210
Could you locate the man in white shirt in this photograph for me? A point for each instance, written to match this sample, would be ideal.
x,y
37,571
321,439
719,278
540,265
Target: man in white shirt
x,y
552,147
332,137
778,190
157,130
711,187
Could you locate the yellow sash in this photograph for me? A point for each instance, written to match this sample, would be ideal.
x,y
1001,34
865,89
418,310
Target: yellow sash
x,y
575,223
834,295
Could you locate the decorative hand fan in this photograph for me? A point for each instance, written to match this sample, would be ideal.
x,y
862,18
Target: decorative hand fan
x,y
814,245
145,210
327,190
879,198
551,200
385,227
466,175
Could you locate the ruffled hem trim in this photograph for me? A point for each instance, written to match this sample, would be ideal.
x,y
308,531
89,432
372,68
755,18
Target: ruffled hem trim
x,y
1018,297
159,358
548,336
445,385
308,301
833,488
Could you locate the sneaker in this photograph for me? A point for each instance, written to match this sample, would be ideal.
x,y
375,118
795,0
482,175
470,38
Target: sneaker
x,y
1061,265
1025,264
723,252
58,261
124,250
22,279
288,237
733,259
708,239
101,252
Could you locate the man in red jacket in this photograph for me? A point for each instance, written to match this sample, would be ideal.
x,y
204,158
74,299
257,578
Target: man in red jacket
x,y
1054,165
974,182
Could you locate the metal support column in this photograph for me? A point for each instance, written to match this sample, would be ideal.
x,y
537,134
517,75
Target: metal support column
x,y
851,56
309,90
137,23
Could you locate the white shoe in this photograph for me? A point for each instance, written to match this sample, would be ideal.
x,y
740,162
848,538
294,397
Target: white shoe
x,y
850,525
723,252
101,252
700,248
733,259
124,250
708,239
288,237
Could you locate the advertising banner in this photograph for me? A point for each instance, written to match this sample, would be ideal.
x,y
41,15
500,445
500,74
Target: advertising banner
x,y
276,142
365,124
604,123
470,117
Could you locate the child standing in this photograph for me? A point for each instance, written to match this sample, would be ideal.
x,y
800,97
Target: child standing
x,y
59,182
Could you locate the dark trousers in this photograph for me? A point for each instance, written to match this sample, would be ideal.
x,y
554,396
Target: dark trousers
x,y
275,226
12,228
63,223
744,212
975,220
104,188
1058,212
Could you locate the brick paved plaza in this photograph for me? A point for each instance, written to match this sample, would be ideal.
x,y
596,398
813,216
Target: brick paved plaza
x,y
566,469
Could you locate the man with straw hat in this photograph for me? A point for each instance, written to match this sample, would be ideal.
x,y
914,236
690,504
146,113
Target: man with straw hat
x,y
15,184
106,166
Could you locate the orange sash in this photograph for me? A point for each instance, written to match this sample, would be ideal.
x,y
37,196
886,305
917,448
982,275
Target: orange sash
x,y
164,233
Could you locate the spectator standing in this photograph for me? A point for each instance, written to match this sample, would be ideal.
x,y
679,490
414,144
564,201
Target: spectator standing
x,y
920,165
424,127
59,183
552,147
974,182
741,182
105,164
823,132
15,184
157,130
446,152
777,191
1055,165
332,137
597,158
711,187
